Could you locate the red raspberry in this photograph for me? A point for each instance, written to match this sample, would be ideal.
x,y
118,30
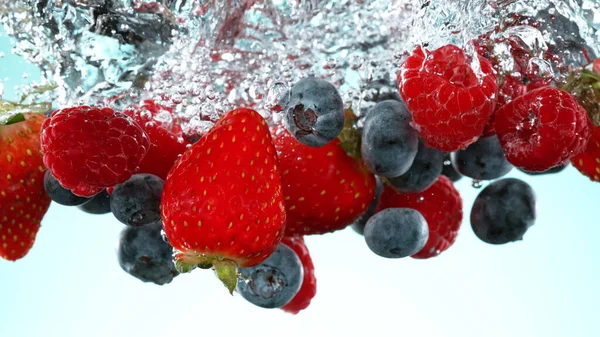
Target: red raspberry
x,y
510,88
542,129
449,104
588,162
166,137
440,205
308,290
88,149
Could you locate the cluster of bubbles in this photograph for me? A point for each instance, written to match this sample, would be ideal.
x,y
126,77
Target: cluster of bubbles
x,y
204,57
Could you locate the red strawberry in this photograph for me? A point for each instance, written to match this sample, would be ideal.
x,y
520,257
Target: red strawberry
x,y
440,205
166,137
23,201
325,189
222,203
542,129
449,104
308,290
588,162
88,149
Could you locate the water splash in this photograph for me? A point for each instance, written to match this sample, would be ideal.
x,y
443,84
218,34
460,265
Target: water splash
x,y
204,57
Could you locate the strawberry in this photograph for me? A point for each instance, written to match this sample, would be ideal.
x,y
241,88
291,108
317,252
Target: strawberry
x,y
88,149
325,189
440,205
222,203
450,105
166,137
588,162
23,201
308,290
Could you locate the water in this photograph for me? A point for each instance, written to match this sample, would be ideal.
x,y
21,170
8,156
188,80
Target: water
x,y
204,57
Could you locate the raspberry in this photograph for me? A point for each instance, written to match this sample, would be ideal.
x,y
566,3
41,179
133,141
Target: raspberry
x,y
449,103
166,137
542,129
88,149
440,205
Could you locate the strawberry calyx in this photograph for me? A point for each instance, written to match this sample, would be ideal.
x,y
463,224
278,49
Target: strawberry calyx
x,y
350,139
584,85
225,269
12,112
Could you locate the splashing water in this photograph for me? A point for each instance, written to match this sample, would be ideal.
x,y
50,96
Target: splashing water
x,y
204,57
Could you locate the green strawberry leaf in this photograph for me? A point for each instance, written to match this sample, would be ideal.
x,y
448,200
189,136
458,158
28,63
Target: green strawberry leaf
x,y
585,87
227,272
349,138
15,119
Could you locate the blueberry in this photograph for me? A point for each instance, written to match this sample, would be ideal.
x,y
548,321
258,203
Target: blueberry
x,y
396,232
555,169
136,202
482,160
98,204
423,172
359,224
389,143
145,255
313,112
503,211
59,194
449,171
273,283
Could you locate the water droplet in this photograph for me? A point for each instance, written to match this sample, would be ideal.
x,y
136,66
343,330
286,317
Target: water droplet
x,y
476,183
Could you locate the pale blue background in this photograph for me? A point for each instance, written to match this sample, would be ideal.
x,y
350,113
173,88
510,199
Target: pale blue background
x,y
70,284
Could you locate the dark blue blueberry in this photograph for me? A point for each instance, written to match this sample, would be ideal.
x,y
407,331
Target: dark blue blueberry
x,y
503,211
389,143
145,255
423,172
482,160
359,224
449,171
98,204
555,169
136,202
313,112
396,232
59,194
273,283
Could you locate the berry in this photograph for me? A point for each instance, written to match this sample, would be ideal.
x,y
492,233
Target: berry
x,y
378,91
503,211
555,169
98,204
482,160
222,202
274,282
308,290
588,162
449,171
542,129
313,112
136,202
324,188
423,172
389,143
167,141
23,201
60,194
596,66
450,105
145,255
88,149
359,224
440,205
396,232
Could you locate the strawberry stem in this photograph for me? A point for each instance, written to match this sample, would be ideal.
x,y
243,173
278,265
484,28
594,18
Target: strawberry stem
x,y
350,140
227,272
